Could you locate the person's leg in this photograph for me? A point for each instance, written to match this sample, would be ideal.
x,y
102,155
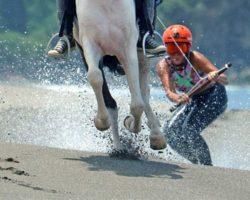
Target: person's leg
x,y
198,145
60,5
151,45
61,47
209,106
151,10
176,137
184,129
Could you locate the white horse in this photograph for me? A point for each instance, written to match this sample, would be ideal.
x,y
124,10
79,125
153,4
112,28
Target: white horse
x,y
108,27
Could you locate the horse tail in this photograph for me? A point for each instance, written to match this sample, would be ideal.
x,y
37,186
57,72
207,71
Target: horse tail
x,y
108,99
113,64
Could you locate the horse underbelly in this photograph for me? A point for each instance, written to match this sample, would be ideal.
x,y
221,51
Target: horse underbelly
x,y
107,27
110,40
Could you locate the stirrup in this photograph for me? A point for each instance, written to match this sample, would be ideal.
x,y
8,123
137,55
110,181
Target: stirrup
x,y
149,55
53,38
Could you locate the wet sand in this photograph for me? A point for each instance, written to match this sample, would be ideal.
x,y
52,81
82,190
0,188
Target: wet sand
x,y
35,118
32,172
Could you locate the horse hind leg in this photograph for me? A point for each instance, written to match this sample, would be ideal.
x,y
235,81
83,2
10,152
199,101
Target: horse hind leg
x,y
157,139
108,106
95,78
133,121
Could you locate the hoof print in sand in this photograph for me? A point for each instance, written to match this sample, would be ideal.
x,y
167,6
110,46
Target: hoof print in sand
x,y
14,171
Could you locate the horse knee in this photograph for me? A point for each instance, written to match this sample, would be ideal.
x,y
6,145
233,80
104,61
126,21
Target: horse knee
x,y
95,78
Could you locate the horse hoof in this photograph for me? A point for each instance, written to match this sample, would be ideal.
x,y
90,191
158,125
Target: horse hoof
x,y
102,125
123,154
157,142
129,123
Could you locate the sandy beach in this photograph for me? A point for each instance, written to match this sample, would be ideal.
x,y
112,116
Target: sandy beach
x,y
32,172
50,149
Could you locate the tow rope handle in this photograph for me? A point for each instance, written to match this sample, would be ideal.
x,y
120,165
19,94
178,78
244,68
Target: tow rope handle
x,y
202,83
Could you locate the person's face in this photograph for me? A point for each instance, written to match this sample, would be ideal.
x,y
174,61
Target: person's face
x,y
176,52
177,58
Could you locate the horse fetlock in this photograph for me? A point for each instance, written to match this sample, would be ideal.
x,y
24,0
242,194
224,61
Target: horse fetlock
x,y
137,110
129,123
118,146
157,141
102,124
154,125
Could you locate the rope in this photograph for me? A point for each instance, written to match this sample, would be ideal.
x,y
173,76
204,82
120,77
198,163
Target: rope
x,y
164,27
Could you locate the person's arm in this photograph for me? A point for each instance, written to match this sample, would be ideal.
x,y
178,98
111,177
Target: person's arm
x,y
203,64
167,83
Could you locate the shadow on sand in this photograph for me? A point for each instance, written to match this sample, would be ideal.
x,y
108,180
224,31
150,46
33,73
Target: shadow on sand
x,y
132,168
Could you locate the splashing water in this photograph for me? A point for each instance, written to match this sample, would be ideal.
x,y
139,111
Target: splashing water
x,y
49,103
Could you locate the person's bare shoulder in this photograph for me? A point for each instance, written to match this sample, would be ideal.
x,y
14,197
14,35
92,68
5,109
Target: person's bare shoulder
x,y
201,62
197,57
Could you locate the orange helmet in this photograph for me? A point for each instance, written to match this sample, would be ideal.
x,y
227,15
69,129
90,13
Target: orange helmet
x,y
177,33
